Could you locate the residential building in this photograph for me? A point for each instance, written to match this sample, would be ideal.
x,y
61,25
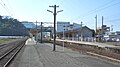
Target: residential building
x,y
62,26
112,36
65,26
103,31
76,26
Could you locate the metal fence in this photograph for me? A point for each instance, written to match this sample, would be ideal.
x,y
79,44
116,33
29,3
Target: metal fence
x,y
87,39
92,39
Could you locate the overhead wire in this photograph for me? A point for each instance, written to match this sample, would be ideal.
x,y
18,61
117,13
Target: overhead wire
x,y
11,8
5,7
91,11
118,19
100,8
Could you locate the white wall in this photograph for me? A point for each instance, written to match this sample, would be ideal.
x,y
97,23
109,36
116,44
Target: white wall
x,y
60,26
76,26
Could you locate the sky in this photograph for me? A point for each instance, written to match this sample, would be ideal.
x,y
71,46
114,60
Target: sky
x,y
74,11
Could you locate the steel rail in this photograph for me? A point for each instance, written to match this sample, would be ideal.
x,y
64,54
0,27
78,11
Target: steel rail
x,y
9,56
13,56
8,52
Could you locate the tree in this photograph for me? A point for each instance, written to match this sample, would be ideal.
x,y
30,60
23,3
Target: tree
x,y
12,27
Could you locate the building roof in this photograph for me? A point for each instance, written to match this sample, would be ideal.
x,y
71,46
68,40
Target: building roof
x,y
75,30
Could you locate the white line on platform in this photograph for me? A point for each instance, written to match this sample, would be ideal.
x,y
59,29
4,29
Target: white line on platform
x,y
26,42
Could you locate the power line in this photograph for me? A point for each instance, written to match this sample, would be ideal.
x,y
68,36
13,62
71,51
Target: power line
x,y
60,2
113,20
6,8
11,8
100,8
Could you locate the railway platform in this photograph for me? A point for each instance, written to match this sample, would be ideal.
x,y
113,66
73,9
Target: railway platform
x,y
41,55
89,43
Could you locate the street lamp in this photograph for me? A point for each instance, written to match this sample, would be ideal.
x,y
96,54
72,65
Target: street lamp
x,y
41,32
72,31
36,33
63,37
81,32
59,11
54,13
50,11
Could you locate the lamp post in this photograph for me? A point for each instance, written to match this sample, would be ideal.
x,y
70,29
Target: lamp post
x,y
95,28
36,33
54,13
72,33
41,32
81,32
63,38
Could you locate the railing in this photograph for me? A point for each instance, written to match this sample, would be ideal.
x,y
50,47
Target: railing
x,y
92,39
87,39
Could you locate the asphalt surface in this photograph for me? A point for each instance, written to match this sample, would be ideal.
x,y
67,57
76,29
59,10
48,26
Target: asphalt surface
x,y
41,55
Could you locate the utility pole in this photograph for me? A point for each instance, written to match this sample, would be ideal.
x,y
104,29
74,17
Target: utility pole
x,y
63,36
102,24
81,32
54,13
72,33
96,23
95,28
111,28
102,28
41,32
36,33
54,27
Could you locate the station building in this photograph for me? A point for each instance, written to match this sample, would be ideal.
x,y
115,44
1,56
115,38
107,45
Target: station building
x,y
73,31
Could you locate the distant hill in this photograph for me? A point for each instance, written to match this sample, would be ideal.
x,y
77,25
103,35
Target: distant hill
x,y
12,27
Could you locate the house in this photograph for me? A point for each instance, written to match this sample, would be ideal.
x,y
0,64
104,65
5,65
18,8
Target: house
x,y
112,36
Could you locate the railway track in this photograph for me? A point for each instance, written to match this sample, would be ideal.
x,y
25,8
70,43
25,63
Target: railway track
x,y
8,52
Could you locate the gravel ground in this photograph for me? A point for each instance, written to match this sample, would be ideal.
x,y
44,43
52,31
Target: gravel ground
x,y
6,40
113,43
87,49
16,60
